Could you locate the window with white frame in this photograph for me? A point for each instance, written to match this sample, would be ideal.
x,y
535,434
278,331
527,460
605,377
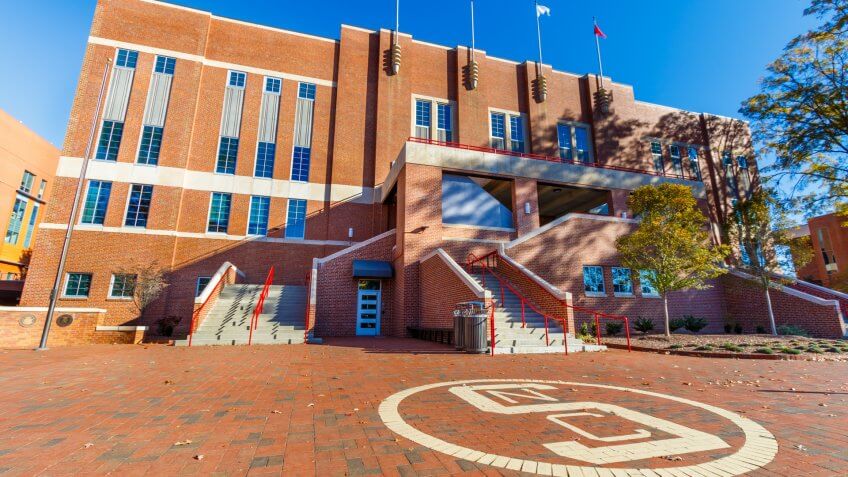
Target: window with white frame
x,y
122,286
96,201
237,79
165,65
227,155
257,223
265,152
694,166
110,141
33,216
444,122
138,205
646,283
219,213
27,181
273,85
593,280
657,156
422,118
622,281
433,119
200,285
16,221
300,163
77,285
296,219
507,131
676,160
126,58
574,143
151,143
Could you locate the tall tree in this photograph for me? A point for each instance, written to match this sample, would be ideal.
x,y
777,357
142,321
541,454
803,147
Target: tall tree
x,y
672,242
801,112
759,227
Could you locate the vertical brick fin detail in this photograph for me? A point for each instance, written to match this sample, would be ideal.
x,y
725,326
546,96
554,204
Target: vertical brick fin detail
x,y
542,298
336,290
746,301
443,284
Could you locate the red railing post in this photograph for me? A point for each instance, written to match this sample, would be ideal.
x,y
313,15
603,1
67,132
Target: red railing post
x,y
492,331
547,341
565,334
523,323
598,328
627,332
260,303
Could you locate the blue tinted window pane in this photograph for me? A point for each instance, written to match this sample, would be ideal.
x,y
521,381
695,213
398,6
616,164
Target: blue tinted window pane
x,y
272,85
498,126
78,284
726,158
227,155
127,58
645,283
265,159
138,206
110,141
306,91
516,131
444,122
96,201
742,162
422,113
219,213
151,141
165,65
296,219
581,144
593,279
237,79
258,221
622,281
467,201
564,138
300,164
32,218
16,221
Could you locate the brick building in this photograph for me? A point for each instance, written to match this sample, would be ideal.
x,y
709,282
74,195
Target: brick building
x,y
26,180
348,163
828,237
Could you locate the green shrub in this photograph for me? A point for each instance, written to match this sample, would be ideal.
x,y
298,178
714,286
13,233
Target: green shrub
x,y
694,324
792,330
765,351
833,349
790,351
614,327
732,347
815,349
675,324
587,329
704,348
675,346
643,325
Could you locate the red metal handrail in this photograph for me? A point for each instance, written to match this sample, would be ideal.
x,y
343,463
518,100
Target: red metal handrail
x,y
308,300
254,320
194,323
596,314
542,157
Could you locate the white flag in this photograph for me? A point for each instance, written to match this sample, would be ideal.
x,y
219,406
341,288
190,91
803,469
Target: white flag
x,y
542,10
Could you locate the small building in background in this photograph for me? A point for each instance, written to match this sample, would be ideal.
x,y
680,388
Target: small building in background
x,y
828,236
28,167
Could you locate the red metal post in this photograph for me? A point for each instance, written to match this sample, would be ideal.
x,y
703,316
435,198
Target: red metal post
x,y
627,332
523,323
547,341
598,328
492,331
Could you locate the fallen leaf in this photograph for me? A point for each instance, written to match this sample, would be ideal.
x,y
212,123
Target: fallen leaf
x,y
198,457
673,458
87,445
183,443
277,412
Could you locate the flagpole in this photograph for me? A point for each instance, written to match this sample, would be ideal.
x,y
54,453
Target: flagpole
x,y
472,31
539,36
598,47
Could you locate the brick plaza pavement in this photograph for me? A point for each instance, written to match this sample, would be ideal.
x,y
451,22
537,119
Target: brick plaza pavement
x,y
304,410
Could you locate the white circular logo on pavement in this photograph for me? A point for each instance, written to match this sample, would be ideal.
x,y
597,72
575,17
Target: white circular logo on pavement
x,y
567,428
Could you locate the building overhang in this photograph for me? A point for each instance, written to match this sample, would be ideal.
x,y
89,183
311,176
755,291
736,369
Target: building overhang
x,y
478,160
372,269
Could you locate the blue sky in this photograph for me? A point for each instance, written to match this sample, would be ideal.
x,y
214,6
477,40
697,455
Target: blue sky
x,y
700,55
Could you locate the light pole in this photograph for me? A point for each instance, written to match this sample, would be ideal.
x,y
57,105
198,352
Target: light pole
x,y
54,292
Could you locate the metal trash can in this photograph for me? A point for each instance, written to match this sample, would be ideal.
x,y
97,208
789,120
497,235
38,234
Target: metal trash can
x,y
474,319
458,329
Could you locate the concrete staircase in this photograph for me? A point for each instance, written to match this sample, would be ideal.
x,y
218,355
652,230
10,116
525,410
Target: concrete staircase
x,y
228,322
511,338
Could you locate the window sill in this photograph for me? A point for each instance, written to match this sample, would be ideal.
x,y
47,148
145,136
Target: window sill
x,y
295,238
650,296
595,295
116,298
624,295
65,297
231,174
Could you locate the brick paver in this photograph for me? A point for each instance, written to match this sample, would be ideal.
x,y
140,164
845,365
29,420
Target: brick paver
x,y
303,410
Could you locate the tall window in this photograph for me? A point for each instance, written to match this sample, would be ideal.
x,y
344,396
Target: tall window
x,y
622,281
300,164
165,65
96,200
296,219
33,216
126,58
646,283
77,285
444,125
498,132
122,286
516,134
27,181
422,119
593,280
273,85
574,143
110,141
676,161
306,91
694,166
257,223
826,247
138,206
41,188
151,141
265,160
227,154
237,79
657,156
219,213
15,222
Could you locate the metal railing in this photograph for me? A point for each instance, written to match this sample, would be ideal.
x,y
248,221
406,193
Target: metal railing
x,y
308,303
254,320
494,257
541,157
195,321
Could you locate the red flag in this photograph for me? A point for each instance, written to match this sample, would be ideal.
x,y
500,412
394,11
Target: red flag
x,y
599,33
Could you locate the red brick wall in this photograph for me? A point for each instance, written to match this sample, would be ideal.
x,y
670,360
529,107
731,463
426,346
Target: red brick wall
x,y
337,290
81,331
746,304
441,289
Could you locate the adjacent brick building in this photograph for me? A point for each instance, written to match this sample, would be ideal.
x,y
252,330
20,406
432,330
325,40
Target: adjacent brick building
x,y
224,141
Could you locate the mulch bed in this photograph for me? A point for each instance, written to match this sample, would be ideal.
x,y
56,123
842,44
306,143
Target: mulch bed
x,y
738,346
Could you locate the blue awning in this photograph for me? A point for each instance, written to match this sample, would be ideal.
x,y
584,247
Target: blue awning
x,y
372,269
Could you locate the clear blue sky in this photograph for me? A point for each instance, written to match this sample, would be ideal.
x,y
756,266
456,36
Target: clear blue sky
x,y
700,55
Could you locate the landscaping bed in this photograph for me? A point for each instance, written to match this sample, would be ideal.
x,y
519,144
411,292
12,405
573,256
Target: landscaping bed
x,y
740,346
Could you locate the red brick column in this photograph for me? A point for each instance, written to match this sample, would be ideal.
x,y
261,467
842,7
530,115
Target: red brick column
x,y
524,192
